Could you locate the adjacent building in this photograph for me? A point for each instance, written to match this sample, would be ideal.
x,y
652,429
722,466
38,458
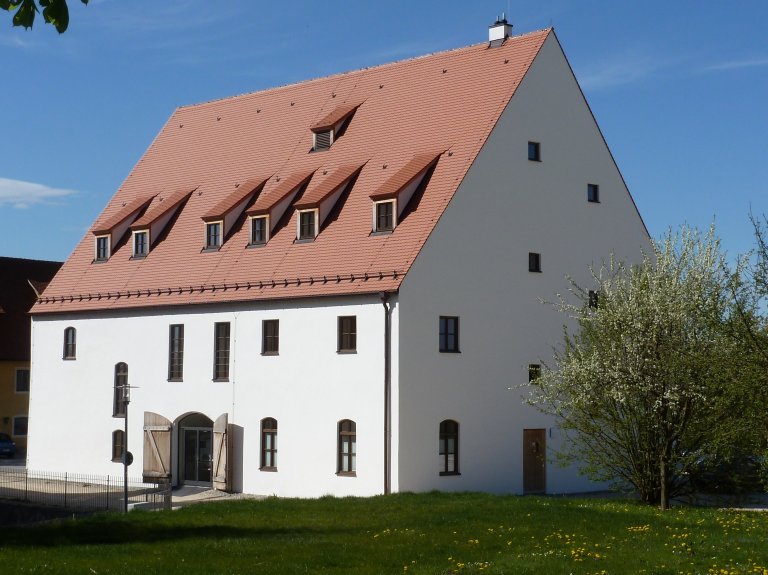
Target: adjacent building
x,y
335,286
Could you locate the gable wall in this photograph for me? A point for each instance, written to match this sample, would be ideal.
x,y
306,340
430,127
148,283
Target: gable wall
x,y
475,265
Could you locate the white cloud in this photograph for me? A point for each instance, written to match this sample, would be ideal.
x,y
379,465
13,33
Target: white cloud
x,y
618,71
737,64
22,194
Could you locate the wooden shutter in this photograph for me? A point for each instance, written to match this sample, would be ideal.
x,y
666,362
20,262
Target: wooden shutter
x,y
157,448
221,476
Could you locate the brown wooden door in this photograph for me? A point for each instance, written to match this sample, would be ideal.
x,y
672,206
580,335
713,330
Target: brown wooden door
x,y
534,460
221,454
157,448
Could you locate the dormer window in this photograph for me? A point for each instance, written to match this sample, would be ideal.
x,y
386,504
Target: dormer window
x,y
102,248
307,225
140,244
328,129
322,140
213,236
259,230
384,216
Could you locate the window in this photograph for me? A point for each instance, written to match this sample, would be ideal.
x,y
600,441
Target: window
x,y
534,372
270,337
20,425
385,216
22,380
268,444
118,445
449,447
140,244
221,352
323,140
102,248
259,230
534,262
307,226
593,193
593,298
347,448
70,343
534,151
347,336
120,391
449,334
213,236
176,352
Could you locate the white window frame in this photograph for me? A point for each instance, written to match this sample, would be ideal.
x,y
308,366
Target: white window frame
x,y
374,225
250,230
316,212
16,379
221,235
133,243
96,248
331,132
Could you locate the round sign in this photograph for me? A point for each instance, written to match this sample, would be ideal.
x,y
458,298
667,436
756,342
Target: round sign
x,y
127,458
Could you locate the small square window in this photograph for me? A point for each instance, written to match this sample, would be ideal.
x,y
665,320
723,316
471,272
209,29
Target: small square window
x,y
385,216
22,380
534,262
534,151
140,244
102,248
534,372
270,337
347,336
593,193
259,230
213,235
307,225
449,334
593,298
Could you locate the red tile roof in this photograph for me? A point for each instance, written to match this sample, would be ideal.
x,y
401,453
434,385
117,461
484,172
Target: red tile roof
x,y
447,100
221,209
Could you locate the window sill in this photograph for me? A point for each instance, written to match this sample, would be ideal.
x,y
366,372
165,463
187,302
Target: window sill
x,y
346,473
138,257
593,201
534,160
346,351
220,379
270,469
207,249
381,232
270,353
258,245
69,358
180,379
450,351
118,460
118,415
102,261
449,473
304,240
534,271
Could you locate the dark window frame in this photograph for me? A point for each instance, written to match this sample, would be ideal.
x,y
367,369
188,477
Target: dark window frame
x,y
221,350
384,222
534,372
213,235
17,380
268,444
347,448
593,193
176,352
346,336
449,328
270,337
449,429
534,151
119,389
70,344
118,445
534,262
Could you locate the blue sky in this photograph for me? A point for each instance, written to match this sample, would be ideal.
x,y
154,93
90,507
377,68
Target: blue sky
x,y
680,90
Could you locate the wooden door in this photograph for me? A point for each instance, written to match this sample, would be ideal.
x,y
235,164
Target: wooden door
x,y
157,448
221,476
534,460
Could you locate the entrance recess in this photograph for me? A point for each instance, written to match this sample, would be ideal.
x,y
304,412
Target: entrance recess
x,y
196,450
534,460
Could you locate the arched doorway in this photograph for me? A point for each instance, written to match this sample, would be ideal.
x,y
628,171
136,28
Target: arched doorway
x,y
196,450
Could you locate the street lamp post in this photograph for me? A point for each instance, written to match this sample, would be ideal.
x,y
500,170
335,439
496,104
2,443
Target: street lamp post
x,y
127,459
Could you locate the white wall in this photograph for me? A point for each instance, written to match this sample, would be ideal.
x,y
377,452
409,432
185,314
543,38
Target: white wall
x,y
475,265
308,388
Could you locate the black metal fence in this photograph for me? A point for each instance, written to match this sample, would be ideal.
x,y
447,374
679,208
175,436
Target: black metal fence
x,y
78,492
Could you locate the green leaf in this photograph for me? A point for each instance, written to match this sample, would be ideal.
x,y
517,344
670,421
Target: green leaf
x,y
25,15
9,4
56,13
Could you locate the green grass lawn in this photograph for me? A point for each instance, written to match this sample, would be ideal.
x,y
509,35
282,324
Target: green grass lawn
x,y
434,533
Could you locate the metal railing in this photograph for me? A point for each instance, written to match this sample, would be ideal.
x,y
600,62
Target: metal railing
x,y
79,492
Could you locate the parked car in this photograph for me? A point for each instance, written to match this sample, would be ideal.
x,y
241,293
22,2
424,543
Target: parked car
x,y
7,445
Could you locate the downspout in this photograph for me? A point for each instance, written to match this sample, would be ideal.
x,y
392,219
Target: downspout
x,y
387,392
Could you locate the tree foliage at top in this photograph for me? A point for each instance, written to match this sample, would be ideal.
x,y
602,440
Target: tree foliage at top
x,y
55,12
655,379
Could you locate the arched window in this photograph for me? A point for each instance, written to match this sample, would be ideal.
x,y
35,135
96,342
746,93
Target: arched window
x,y
449,447
269,444
118,445
347,448
70,343
120,390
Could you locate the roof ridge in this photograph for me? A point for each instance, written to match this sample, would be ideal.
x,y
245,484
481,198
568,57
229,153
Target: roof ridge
x,y
348,72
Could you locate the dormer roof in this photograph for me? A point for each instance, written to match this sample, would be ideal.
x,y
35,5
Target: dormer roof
x,y
413,169
244,192
162,208
448,100
123,216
